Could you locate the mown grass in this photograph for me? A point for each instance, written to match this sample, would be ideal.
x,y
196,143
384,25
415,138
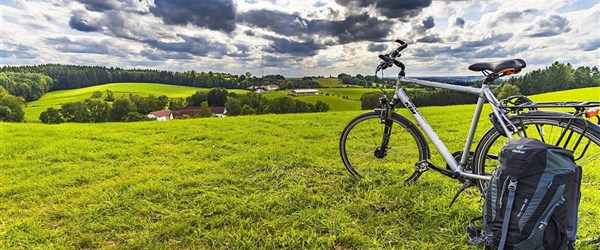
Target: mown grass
x,y
269,182
329,82
57,98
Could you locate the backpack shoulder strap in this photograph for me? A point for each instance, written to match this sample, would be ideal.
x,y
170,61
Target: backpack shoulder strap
x,y
512,186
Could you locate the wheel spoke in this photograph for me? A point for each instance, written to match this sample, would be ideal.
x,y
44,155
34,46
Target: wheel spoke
x,y
365,134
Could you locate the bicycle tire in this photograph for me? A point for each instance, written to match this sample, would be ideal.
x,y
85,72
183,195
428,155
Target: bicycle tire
x,y
364,134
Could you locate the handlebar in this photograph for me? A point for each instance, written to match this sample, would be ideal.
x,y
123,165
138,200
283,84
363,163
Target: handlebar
x,y
389,59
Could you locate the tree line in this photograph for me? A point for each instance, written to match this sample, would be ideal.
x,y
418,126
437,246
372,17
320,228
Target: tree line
x,y
30,86
103,107
556,77
75,76
360,80
421,98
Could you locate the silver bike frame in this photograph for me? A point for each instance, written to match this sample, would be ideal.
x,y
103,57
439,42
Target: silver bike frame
x,y
484,93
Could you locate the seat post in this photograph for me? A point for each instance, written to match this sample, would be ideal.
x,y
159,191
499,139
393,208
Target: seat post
x,y
490,79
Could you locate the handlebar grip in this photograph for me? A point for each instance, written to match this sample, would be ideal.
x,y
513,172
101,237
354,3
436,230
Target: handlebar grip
x,y
385,58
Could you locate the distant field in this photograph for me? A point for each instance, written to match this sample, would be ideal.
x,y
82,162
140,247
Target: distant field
x,y
335,103
352,93
584,94
56,98
329,82
249,182
334,100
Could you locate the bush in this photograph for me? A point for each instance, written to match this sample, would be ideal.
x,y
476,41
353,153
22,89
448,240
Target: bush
x,y
51,116
134,117
11,108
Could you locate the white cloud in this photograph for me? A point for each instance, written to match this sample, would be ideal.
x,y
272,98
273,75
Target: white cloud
x,y
128,34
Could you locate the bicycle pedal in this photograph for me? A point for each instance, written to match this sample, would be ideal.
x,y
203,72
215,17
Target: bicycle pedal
x,y
413,178
420,167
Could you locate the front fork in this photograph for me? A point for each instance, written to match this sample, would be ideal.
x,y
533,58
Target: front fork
x,y
385,119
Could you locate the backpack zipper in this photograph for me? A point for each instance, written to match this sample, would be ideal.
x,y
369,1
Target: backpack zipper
x,y
502,193
545,221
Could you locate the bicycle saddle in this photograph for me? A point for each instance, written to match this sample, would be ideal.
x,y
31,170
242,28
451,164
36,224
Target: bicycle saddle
x,y
514,65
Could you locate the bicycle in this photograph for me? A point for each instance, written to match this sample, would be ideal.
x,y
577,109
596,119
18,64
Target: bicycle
x,y
368,146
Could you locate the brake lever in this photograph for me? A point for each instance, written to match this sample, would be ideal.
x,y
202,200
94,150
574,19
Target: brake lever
x,y
382,65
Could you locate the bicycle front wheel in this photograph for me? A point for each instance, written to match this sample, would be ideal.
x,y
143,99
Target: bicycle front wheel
x,y
362,152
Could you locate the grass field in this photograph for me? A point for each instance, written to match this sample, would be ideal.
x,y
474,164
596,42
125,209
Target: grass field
x,y
335,103
267,182
56,98
329,82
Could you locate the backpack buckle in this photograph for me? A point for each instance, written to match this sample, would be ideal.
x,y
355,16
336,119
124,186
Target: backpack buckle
x,y
512,185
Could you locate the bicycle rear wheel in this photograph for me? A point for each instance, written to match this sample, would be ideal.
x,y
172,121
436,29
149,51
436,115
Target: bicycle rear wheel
x,y
361,152
550,130
586,154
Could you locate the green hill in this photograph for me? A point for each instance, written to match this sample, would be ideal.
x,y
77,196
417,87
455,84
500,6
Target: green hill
x,y
332,96
329,82
268,182
56,98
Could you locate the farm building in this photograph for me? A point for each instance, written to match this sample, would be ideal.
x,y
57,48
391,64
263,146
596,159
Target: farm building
x,y
299,92
161,115
263,88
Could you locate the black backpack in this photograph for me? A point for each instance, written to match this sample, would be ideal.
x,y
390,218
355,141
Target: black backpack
x,y
532,199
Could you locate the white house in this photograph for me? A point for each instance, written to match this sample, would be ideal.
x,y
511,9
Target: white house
x,y
218,111
161,115
298,92
271,87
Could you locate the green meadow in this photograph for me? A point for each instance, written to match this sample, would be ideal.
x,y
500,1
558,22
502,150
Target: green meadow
x,y
248,182
57,98
329,82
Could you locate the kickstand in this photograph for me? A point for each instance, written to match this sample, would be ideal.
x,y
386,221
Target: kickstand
x,y
465,185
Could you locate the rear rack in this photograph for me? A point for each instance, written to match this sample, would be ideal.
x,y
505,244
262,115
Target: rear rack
x,y
518,103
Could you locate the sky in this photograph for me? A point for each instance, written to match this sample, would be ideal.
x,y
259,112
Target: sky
x,y
298,37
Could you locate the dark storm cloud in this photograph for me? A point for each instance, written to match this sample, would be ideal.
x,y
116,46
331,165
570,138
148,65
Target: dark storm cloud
x,y
78,22
211,14
64,44
377,47
589,45
389,8
401,9
287,46
98,5
460,22
468,53
495,39
197,46
430,39
354,28
512,16
429,22
550,26
249,32
351,29
20,52
276,62
279,22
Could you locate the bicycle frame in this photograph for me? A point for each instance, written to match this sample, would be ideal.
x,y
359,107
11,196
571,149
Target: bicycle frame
x,y
484,93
